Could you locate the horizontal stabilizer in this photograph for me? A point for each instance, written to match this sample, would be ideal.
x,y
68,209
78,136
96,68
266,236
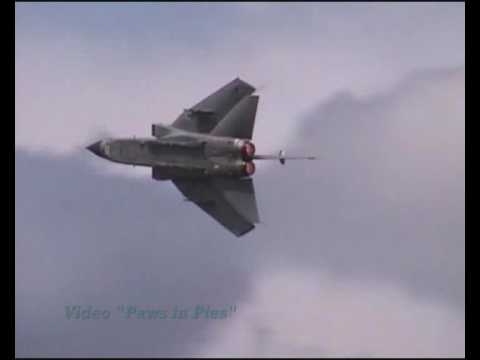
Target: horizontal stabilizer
x,y
231,202
241,194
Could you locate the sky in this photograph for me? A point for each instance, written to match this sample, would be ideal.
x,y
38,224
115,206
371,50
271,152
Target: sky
x,y
359,254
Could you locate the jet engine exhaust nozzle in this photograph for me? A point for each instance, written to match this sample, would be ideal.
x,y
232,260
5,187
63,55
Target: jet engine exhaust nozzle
x,y
248,151
249,168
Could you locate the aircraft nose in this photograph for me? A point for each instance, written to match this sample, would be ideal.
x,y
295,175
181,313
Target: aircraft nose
x,y
96,148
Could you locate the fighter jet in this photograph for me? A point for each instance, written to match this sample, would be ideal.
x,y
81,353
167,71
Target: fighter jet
x,y
207,152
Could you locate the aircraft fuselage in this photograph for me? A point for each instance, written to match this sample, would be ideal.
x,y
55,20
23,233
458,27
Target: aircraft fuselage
x,y
182,155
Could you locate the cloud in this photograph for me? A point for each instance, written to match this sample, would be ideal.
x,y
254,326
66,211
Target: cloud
x,y
375,233
93,239
386,198
82,68
366,217
379,217
299,312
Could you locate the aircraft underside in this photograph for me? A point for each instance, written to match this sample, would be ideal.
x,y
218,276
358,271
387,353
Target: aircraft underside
x,y
207,153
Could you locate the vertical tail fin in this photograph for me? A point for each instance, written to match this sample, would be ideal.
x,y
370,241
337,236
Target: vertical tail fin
x,y
239,122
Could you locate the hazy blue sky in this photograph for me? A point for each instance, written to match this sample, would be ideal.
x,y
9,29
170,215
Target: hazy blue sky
x,y
155,59
361,253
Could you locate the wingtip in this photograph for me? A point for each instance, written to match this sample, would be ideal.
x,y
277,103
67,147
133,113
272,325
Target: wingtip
x,y
244,83
242,233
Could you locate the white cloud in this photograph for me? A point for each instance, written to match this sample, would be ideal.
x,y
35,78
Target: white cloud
x,y
305,313
403,147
